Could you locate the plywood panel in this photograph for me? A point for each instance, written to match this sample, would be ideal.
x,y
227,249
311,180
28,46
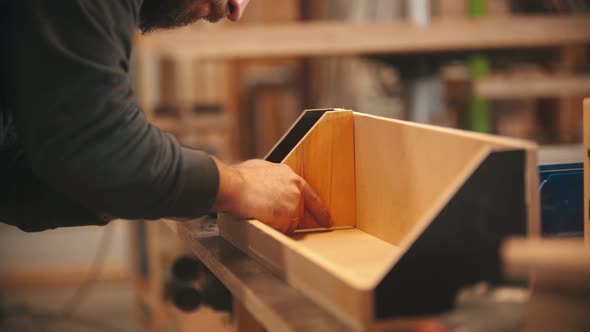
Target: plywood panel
x,y
312,272
356,255
402,169
325,159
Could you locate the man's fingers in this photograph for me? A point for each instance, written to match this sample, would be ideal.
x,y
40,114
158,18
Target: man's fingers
x,y
314,205
299,216
293,225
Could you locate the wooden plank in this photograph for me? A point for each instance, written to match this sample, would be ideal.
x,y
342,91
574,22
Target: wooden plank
x,y
410,178
587,170
345,38
311,272
532,86
325,158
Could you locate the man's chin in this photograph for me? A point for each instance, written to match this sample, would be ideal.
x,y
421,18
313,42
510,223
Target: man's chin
x,y
214,18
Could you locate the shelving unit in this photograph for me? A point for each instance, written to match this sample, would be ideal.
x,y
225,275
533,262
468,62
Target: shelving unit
x,y
233,44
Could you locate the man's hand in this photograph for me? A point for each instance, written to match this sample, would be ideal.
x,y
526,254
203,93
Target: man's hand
x,y
271,193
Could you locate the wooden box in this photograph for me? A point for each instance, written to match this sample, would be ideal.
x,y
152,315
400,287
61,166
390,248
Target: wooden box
x,y
419,212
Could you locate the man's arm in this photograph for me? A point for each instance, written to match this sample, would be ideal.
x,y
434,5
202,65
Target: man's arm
x,y
76,113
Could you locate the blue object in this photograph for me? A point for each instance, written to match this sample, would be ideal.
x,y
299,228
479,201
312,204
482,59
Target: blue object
x,y
562,199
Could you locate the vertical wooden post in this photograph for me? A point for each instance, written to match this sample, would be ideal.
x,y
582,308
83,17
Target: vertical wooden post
x,y
572,57
184,84
587,170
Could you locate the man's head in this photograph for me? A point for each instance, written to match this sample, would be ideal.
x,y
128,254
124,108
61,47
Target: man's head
x,y
156,14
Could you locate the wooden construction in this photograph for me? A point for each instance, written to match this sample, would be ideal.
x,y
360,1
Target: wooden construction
x,y
419,212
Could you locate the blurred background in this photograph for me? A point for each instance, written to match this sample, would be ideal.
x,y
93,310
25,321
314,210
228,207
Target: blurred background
x,y
518,68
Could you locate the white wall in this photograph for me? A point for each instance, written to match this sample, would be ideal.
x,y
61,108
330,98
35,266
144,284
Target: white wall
x,y
63,247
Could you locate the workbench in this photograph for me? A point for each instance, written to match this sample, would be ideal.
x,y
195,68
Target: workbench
x,y
276,306
270,300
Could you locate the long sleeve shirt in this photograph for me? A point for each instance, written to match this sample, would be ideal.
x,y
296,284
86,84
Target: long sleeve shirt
x,y
73,141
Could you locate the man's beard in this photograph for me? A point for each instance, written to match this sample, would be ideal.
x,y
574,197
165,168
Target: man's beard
x,y
168,14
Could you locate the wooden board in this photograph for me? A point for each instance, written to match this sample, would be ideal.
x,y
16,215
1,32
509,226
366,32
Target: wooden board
x,y
587,170
345,38
406,172
535,86
307,269
325,158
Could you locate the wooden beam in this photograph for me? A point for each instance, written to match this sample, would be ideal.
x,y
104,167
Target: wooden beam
x,y
536,86
346,38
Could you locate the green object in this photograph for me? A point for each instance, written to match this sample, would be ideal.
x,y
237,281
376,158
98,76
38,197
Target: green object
x,y
479,66
479,117
477,8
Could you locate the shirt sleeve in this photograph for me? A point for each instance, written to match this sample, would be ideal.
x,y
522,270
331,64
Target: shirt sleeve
x,y
78,120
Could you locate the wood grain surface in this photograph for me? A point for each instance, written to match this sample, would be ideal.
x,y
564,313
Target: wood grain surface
x,y
407,172
325,159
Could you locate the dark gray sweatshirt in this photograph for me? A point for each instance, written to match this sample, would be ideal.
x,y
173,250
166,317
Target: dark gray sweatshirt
x,y
73,141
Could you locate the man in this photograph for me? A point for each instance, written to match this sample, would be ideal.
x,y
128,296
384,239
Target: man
x,y
76,150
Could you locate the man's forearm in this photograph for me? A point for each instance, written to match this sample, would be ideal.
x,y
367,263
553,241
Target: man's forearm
x,y
230,184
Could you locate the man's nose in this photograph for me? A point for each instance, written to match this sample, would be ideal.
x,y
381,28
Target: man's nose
x,y
236,9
